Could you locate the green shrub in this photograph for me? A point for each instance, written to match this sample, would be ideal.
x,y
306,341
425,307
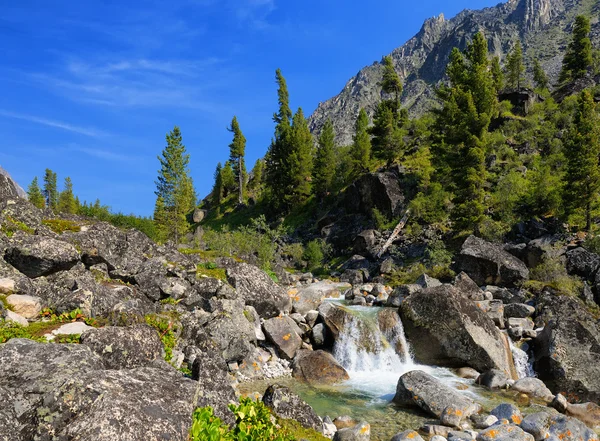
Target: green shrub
x,y
12,225
295,251
210,269
437,254
315,252
59,226
592,244
166,329
553,273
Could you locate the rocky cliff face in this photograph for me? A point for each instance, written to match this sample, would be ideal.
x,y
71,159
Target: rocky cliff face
x,y
542,25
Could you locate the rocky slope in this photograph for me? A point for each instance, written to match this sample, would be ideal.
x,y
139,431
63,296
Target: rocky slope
x,y
542,25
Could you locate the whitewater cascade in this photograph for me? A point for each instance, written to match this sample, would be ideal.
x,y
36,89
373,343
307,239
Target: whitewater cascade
x,y
523,366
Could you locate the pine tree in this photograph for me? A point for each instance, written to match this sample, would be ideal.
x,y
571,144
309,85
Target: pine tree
x,y
51,189
360,152
578,57
515,69
497,74
227,179
161,220
237,150
324,171
257,173
174,185
582,149
391,83
34,193
66,198
539,76
300,161
217,191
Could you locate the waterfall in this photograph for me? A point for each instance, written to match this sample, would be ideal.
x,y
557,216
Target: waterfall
x,y
523,366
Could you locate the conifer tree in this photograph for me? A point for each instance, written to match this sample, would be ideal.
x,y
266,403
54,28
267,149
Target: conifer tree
x,y
237,150
582,149
324,171
174,185
161,220
34,193
257,173
539,76
515,69
497,74
227,179
360,152
50,189
300,161
217,192
66,198
578,57
391,83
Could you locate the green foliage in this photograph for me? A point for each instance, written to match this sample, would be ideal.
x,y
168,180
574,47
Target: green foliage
x,y
391,81
300,161
12,225
66,198
360,152
382,222
228,181
431,205
34,194
410,274
237,150
388,136
166,329
175,192
50,189
315,253
578,58
497,74
515,68
539,76
59,226
257,179
323,170
592,244
553,273
437,255
207,427
210,269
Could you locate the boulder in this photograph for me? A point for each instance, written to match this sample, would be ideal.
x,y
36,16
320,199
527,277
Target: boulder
x,y
509,412
198,215
494,379
417,388
11,316
534,387
8,188
334,316
258,290
360,432
379,190
309,297
425,281
283,333
318,368
518,310
504,432
37,256
467,287
407,435
287,405
582,263
543,426
24,305
364,243
400,293
74,328
482,421
125,348
560,403
7,286
453,416
447,329
588,413
355,276
391,327
319,334
487,263
467,372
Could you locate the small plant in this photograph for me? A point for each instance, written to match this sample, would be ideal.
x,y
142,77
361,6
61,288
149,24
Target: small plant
x,y
552,272
272,275
166,331
12,225
210,269
169,301
315,253
59,226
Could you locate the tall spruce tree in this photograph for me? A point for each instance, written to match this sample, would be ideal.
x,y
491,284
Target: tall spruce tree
x,y
515,69
582,149
469,103
300,161
391,83
217,191
360,152
34,194
174,185
66,198
227,179
539,76
323,170
51,189
497,74
578,57
237,150
256,181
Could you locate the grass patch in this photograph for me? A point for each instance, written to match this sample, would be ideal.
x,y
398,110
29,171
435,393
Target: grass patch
x,y
59,226
210,269
298,432
410,274
552,272
166,329
12,225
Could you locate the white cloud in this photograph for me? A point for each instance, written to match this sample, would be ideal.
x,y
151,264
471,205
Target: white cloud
x,y
53,123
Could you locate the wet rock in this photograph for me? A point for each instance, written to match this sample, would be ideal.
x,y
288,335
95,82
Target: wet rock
x,y
504,432
509,412
24,305
544,426
311,296
286,404
494,379
258,290
407,435
417,388
282,332
483,421
318,368
487,263
125,348
334,316
518,310
467,288
319,334
447,329
360,432
533,387
467,372
589,413
37,256
344,421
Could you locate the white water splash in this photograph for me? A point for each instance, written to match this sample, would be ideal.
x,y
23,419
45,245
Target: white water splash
x,y
523,366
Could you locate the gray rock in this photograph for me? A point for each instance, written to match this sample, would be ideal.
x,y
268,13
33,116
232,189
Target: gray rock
x,y
311,317
544,426
416,388
533,387
379,190
360,432
319,334
437,438
494,379
74,328
15,318
582,263
407,435
41,256
318,368
425,281
518,310
560,403
447,329
455,435
467,288
24,305
487,263
198,215
504,432
523,323
286,404
282,332
364,243
588,413
334,317
387,266
355,276
509,412
452,416
309,297
400,293
258,290
7,286
253,317
483,421
125,348
467,372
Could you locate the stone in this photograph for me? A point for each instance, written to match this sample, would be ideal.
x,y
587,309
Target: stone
x,y
504,432
360,432
282,332
543,426
483,421
487,263
417,388
334,317
425,281
74,328
286,404
407,435
318,368
453,416
467,372
467,288
387,266
7,286
446,329
400,293
379,190
198,215
588,413
437,438
560,403
309,297
311,317
509,412
258,290
344,421
436,430
518,310
125,348
329,428
460,435
319,334
364,243
523,323
582,263
533,387
15,318
494,379
37,256
24,305
355,276
253,317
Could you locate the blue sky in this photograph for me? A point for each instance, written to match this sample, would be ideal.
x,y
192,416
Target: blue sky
x,y
89,89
